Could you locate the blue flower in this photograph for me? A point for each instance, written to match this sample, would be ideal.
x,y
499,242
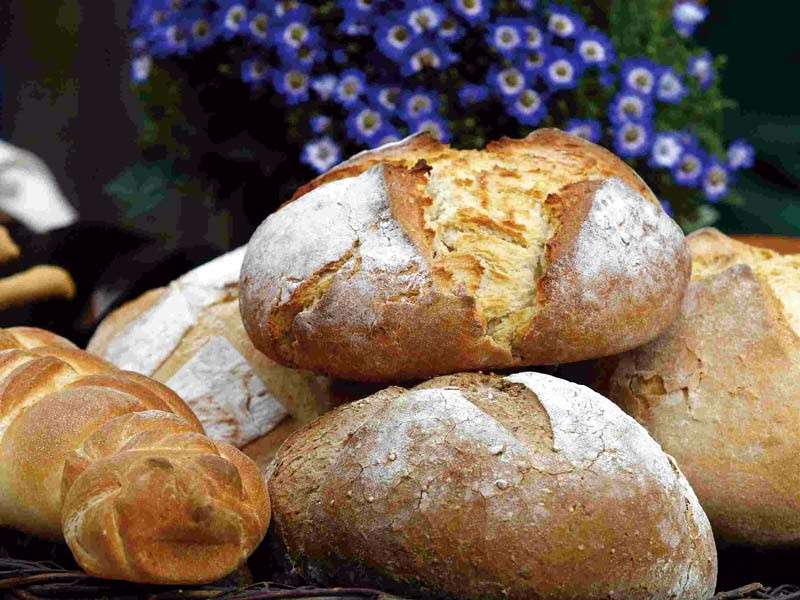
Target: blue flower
x,y
433,125
258,27
286,9
632,139
690,166
533,61
352,84
292,85
231,19
304,57
528,5
320,123
450,30
702,69
741,155
426,16
504,36
254,71
386,97
418,104
588,129
295,34
666,151
629,106
422,55
393,39
667,206
364,123
321,154
201,33
471,93
639,74
564,22
325,86
387,135
358,16
670,87
687,15
508,82
595,49
528,107
716,179
473,11
533,37
562,69
140,68
173,40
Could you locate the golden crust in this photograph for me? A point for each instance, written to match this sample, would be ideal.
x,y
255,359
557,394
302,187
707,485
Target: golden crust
x,y
720,389
528,269
439,491
117,465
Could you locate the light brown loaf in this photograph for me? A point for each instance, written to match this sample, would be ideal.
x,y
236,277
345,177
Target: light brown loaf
x,y
190,337
118,466
416,259
720,390
472,486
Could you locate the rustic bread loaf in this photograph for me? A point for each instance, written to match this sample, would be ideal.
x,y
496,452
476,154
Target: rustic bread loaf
x,y
720,390
416,260
190,336
472,486
117,465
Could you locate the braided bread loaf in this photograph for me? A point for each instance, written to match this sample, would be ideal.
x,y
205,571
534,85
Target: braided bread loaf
x,y
118,466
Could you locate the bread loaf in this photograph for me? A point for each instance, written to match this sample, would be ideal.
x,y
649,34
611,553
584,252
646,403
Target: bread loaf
x,y
118,466
416,260
473,486
720,390
190,337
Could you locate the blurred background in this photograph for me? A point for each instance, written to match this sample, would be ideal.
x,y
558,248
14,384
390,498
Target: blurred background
x,y
170,171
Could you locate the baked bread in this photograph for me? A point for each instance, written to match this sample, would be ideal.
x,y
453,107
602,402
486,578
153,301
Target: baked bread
x,y
720,390
118,466
416,260
190,337
473,486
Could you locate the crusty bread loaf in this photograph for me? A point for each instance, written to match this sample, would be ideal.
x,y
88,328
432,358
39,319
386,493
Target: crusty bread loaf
x,y
117,465
190,337
472,486
720,390
416,260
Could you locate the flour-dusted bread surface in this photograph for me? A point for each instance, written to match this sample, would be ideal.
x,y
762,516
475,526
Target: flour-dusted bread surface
x,y
720,390
190,336
473,486
416,259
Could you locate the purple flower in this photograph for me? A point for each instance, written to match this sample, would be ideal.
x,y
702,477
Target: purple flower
x,y
321,154
427,16
716,179
666,151
629,106
386,97
595,49
231,19
393,39
473,11
528,107
508,82
364,123
533,37
632,140
687,15
292,85
588,129
352,84
562,69
669,86
741,155
505,36
639,75
564,23
533,61
690,167
418,104
201,34
258,27
254,71
702,69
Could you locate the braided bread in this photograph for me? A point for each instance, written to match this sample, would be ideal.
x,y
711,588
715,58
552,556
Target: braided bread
x,y
118,466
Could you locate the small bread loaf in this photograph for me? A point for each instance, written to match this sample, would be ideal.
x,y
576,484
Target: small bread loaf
x,y
118,466
472,486
190,337
416,260
720,390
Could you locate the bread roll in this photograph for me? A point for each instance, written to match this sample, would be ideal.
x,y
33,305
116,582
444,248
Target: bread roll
x,y
720,390
117,465
416,260
190,336
472,486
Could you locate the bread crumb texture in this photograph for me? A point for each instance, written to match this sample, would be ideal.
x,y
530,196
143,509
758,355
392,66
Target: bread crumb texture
x,y
470,233
475,486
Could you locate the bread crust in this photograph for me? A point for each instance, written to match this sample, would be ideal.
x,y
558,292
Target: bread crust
x,y
473,486
355,305
720,391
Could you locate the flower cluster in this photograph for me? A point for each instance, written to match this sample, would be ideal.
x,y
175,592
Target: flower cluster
x,y
366,72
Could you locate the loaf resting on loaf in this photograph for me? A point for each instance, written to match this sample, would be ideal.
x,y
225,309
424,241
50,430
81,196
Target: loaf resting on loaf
x,y
720,390
190,337
472,486
415,260
118,466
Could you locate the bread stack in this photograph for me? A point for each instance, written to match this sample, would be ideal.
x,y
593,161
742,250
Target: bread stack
x,y
418,262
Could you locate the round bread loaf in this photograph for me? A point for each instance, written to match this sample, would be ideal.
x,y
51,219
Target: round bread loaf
x,y
720,390
190,336
416,260
473,486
